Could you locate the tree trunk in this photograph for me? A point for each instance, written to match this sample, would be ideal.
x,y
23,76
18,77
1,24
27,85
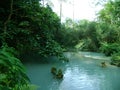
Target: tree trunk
x,y
6,23
60,11
43,2
73,14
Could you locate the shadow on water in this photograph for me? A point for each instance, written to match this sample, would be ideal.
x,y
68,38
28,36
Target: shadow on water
x,y
83,72
36,58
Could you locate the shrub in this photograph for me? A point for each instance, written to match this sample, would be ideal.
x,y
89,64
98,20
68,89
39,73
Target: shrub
x,y
12,72
110,48
115,60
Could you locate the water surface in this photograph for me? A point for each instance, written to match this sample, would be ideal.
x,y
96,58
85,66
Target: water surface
x,y
83,72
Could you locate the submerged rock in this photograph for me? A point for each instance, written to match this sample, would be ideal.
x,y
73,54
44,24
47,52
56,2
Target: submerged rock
x,y
103,64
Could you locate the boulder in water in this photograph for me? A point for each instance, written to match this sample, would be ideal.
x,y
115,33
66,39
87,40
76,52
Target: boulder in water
x,y
103,64
59,74
54,70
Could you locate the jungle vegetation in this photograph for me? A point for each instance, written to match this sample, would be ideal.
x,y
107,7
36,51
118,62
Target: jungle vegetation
x,y
28,26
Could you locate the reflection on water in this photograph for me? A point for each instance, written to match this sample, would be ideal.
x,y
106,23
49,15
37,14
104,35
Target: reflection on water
x,y
83,72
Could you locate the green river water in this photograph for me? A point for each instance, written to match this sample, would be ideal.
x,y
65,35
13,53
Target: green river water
x,y
82,72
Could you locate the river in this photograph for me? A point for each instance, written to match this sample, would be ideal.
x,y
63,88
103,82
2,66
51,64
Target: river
x,y
82,72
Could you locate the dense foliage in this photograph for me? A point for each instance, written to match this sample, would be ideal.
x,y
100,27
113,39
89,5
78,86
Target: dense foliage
x,y
102,35
31,27
12,72
111,41
26,26
83,36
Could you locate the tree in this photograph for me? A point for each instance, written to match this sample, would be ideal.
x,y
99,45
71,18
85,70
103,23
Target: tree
x,y
61,1
32,28
4,34
47,2
110,12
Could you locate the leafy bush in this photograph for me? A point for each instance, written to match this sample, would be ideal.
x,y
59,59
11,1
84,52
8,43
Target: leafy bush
x,y
52,48
116,57
12,72
110,48
115,60
26,87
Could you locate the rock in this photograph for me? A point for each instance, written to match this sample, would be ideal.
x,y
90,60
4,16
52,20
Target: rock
x,y
118,65
59,74
103,64
53,70
112,63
